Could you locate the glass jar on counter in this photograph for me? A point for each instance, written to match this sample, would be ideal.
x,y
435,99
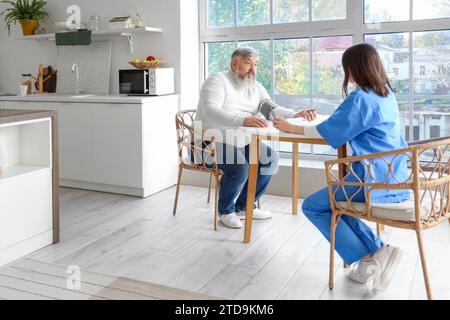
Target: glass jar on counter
x,y
26,84
94,23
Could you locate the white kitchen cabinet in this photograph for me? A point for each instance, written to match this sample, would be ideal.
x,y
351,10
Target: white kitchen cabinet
x,y
74,128
160,150
115,146
74,139
29,203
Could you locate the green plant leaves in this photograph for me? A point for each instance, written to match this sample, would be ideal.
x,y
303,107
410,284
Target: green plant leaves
x,y
23,9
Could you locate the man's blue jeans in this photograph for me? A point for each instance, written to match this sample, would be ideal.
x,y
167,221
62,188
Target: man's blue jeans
x,y
234,162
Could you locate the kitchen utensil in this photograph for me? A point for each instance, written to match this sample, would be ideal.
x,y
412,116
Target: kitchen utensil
x,y
46,79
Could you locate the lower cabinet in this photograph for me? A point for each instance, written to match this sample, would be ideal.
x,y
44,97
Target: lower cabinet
x,y
120,148
26,188
26,214
117,145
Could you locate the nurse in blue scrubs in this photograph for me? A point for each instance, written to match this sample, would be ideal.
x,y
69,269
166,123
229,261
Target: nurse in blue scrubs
x,y
368,119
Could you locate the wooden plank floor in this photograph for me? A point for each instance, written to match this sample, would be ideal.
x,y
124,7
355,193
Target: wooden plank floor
x,y
122,236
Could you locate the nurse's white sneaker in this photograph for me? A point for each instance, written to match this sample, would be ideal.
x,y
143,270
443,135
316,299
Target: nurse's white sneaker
x,y
377,273
359,272
230,220
258,214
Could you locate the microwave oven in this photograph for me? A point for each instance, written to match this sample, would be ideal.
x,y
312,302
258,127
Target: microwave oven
x,y
151,82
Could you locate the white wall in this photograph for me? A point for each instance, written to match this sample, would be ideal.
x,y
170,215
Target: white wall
x,y
17,56
190,76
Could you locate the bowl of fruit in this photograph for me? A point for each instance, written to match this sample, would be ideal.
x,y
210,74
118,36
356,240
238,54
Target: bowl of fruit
x,y
148,63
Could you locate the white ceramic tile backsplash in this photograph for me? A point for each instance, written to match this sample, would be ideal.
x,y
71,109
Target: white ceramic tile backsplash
x,y
94,67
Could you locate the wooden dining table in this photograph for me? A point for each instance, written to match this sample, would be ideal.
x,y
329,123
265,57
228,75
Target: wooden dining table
x,y
272,134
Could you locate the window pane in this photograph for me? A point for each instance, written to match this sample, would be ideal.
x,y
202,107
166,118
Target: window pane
x,y
386,10
393,49
219,55
404,108
329,9
293,101
264,73
253,12
327,105
431,9
431,63
327,56
285,11
220,13
291,58
431,118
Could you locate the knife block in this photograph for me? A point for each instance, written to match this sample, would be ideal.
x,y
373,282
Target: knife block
x,y
45,80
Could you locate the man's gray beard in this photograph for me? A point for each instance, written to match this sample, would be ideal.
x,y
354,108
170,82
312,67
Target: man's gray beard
x,y
244,83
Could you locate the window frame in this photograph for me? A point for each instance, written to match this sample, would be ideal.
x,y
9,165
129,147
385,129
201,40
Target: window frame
x,y
353,26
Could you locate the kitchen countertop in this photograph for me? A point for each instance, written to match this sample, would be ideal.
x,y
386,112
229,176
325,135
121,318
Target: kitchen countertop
x,y
82,98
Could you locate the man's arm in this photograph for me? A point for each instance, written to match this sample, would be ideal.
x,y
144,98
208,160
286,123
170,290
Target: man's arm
x,y
272,110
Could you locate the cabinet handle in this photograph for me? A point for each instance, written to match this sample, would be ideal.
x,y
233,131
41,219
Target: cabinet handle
x,y
145,82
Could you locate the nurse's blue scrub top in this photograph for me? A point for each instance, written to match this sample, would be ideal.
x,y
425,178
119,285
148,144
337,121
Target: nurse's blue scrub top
x,y
370,123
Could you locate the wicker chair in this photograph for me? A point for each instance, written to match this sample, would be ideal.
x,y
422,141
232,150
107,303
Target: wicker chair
x,y
429,183
197,154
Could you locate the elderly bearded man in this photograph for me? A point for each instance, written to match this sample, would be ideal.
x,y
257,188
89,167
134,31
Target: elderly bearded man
x,y
232,99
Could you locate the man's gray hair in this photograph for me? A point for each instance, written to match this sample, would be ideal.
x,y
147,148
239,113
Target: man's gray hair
x,y
244,53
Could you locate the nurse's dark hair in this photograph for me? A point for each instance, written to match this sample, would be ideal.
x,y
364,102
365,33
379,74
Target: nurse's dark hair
x,y
363,63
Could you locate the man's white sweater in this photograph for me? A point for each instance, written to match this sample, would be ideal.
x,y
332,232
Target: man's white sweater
x,y
225,104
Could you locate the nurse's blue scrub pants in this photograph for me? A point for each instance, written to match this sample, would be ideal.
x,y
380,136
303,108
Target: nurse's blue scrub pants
x,y
354,239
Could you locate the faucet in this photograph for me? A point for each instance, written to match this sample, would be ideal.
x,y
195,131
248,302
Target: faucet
x,y
77,83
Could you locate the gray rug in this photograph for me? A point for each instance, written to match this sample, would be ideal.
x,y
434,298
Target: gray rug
x,y
30,279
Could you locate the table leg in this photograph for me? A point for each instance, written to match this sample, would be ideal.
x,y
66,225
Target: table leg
x,y
55,180
342,153
251,188
295,178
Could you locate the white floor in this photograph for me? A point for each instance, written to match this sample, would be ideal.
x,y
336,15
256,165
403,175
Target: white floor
x,y
287,258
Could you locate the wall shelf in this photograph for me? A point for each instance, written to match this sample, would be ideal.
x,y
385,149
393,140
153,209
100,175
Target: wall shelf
x,y
128,33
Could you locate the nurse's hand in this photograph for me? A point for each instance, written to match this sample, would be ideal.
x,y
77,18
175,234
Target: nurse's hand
x,y
307,114
255,122
282,125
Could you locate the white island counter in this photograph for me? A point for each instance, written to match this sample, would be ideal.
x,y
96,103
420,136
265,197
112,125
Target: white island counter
x,y
112,143
84,98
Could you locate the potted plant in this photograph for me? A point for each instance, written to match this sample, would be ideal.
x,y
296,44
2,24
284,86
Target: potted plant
x,y
27,12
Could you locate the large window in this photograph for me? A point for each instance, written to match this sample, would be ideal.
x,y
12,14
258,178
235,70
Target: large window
x,y
232,13
422,61
301,43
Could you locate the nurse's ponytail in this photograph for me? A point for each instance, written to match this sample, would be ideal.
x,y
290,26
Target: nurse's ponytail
x,y
363,64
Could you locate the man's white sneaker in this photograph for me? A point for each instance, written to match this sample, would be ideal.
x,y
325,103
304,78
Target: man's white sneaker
x,y
359,272
231,220
377,273
258,214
